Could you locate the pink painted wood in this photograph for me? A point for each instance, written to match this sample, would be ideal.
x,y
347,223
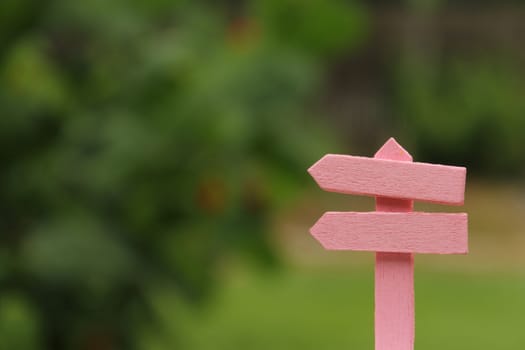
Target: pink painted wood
x,y
430,233
390,178
392,231
394,276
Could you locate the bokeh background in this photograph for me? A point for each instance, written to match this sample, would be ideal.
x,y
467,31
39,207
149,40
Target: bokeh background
x,y
153,156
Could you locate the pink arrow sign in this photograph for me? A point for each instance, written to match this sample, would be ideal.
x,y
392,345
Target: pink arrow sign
x,y
431,233
390,178
392,231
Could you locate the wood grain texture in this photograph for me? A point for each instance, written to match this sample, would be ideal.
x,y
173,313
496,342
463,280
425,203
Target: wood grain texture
x,y
394,275
430,233
394,301
390,178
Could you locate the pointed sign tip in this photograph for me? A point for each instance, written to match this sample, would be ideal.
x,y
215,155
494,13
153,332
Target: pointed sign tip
x,y
393,150
313,170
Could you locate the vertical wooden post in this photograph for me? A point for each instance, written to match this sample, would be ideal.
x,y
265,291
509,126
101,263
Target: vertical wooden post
x,y
394,276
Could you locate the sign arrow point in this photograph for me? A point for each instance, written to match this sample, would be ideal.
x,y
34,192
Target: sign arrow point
x,y
393,150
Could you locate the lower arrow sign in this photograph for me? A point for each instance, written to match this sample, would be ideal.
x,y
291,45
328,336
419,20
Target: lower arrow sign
x,y
413,232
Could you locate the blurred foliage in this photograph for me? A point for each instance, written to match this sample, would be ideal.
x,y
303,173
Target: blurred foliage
x,y
466,112
321,28
142,143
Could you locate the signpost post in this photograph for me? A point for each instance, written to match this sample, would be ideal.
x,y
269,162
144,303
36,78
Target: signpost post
x,y
393,231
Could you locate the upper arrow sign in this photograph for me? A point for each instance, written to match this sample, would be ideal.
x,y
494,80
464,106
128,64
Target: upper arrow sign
x,y
389,178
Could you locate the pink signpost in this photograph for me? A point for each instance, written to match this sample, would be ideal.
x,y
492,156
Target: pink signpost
x,y
393,231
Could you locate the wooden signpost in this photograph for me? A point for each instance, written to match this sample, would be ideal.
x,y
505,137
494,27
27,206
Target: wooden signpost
x,y
393,231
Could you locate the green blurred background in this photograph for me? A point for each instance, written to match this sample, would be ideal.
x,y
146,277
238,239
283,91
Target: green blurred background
x,y
153,153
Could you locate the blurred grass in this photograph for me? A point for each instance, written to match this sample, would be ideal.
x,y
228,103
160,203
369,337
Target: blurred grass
x,y
333,309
